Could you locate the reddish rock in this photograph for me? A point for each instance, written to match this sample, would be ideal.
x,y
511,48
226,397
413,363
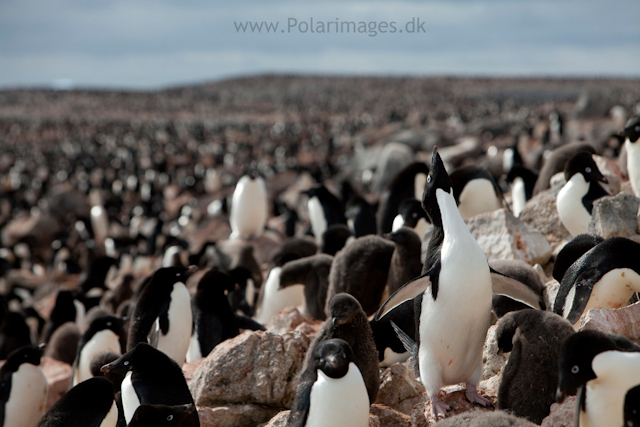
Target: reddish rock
x,y
622,321
388,417
541,213
398,384
188,369
290,319
235,415
58,377
562,414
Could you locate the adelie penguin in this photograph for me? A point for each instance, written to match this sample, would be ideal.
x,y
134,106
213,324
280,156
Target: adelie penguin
x,y
475,191
23,388
522,182
631,135
313,273
575,200
160,415
150,377
572,251
601,368
249,207
411,215
325,209
89,404
331,390
606,276
556,162
162,315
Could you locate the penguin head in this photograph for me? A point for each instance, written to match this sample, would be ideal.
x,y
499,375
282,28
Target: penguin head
x,y
335,238
576,354
333,357
632,130
411,211
403,236
161,415
28,354
142,353
583,163
216,282
112,323
171,275
344,309
438,178
632,407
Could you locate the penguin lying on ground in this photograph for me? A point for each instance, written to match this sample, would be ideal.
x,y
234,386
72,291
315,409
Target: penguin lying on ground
x,y
485,419
556,162
601,368
160,415
331,389
390,349
23,388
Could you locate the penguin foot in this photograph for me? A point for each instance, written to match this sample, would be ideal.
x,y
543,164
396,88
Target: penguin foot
x,y
474,397
438,408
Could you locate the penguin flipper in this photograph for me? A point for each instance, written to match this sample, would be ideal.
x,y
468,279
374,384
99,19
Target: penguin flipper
x,y
410,345
408,291
246,323
584,287
514,289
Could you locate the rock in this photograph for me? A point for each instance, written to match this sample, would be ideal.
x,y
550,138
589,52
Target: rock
x,y
235,415
290,319
254,367
58,377
503,236
279,420
540,213
615,216
562,414
557,182
388,417
549,293
398,384
188,369
622,321
492,361
481,418
453,396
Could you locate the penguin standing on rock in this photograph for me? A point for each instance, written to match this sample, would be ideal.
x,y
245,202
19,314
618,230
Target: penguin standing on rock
x,y
162,315
89,404
575,199
23,388
249,207
452,298
104,334
331,390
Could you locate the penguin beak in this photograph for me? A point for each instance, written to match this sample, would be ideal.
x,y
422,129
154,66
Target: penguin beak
x,y
332,361
115,367
604,179
335,321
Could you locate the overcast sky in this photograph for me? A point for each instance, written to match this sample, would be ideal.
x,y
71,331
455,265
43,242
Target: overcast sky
x,y
158,43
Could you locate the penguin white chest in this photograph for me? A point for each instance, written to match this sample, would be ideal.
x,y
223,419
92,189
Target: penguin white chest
x,y
518,196
111,420
398,222
573,215
248,208
478,196
27,398
339,401
614,289
391,357
275,299
633,164
130,400
101,341
176,342
317,218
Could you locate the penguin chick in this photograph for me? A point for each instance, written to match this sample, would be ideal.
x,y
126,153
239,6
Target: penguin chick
x,y
575,200
530,377
331,389
89,404
348,322
160,415
63,345
406,264
313,273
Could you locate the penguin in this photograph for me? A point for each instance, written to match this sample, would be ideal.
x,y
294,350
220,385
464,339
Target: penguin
x,y
162,314
606,276
151,377
575,200
23,388
556,162
104,334
511,156
361,216
160,415
632,407
313,273
573,250
325,209
348,322
406,264
294,249
406,184
63,345
601,368
411,215
89,404
213,319
631,135
452,298
274,298
526,285
522,181
361,269
485,419
331,389
390,348
530,378
66,309
249,207
475,191
335,237
14,331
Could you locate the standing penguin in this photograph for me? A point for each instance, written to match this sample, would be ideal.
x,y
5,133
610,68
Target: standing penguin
x,y
631,135
522,182
452,298
530,377
575,199
66,309
601,368
160,415
411,215
405,261
331,390
104,334
23,388
475,191
361,216
348,322
151,377
407,184
249,207
606,276
325,209
89,404
162,314
556,162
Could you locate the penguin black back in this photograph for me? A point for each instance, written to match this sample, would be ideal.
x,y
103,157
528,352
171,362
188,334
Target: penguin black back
x,y
361,217
160,415
64,310
572,251
556,162
85,405
401,187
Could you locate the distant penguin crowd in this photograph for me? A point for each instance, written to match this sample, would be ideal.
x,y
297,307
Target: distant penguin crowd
x,y
128,265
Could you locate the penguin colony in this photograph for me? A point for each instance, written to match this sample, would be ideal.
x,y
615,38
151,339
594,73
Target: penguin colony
x,y
161,263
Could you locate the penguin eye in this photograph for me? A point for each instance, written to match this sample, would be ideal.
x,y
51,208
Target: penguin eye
x,y
108,323
170,417
575,369
344,356
428,178
587,169
126,363
322,360
414,215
